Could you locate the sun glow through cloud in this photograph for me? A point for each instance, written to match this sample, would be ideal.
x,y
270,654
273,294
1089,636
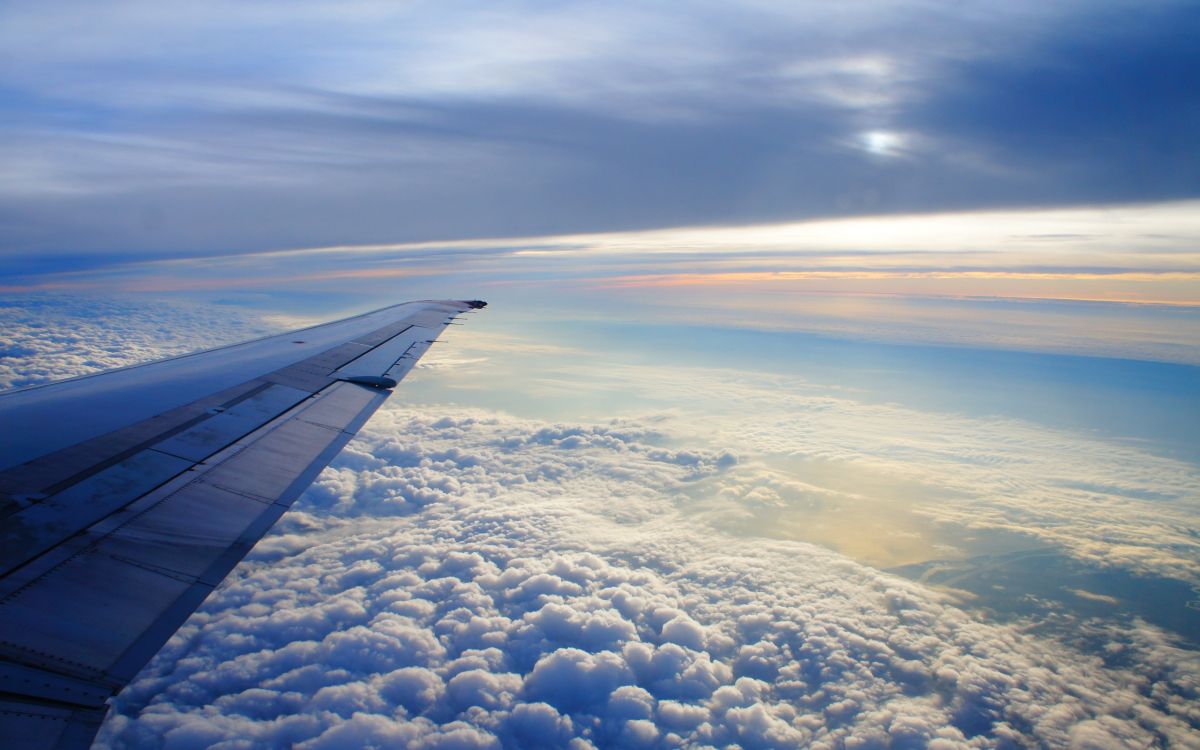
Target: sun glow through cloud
x,y
882,142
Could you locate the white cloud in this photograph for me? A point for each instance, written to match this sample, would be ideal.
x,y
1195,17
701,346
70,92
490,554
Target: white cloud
x,y
555,587
829,465
51,337
466,578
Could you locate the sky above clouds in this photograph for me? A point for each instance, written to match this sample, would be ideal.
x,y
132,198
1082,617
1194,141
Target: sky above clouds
x,y
165,128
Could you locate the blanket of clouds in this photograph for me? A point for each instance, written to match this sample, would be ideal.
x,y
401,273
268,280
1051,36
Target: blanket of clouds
x,y
51,338
462,576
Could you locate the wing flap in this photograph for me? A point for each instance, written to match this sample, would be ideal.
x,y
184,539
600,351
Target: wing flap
x,y
209,436
31,725
37,528
121,598
188,532
148,564
47,474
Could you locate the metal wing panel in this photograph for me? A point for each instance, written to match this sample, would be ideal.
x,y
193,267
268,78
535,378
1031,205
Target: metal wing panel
x,y
112,543
143,391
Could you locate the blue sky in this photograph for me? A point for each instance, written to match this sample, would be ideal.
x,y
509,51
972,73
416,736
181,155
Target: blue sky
x,y
839,385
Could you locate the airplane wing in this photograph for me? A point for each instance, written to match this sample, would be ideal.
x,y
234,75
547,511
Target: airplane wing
x,y
126,497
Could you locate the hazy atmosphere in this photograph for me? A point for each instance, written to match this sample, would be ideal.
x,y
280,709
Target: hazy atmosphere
x,y
839,385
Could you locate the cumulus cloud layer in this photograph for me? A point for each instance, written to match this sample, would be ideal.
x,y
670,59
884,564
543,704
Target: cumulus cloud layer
x,y
1107,503
468,579
462,577
813,452
48,337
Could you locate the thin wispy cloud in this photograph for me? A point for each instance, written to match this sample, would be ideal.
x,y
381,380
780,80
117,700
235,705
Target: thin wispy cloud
x,y
1031,279
164,128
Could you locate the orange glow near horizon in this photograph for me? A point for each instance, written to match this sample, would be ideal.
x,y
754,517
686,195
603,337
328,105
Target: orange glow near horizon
x,y
1143,254
756,277
1167,288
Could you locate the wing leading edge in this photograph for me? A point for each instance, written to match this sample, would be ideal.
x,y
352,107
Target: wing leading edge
x,y
126,497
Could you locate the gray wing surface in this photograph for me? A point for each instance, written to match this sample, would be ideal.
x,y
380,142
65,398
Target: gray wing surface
x,y
126,497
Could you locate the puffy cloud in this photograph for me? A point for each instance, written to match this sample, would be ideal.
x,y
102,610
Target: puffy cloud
x,y
51,337
519,608
466,578
785,456
574,679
